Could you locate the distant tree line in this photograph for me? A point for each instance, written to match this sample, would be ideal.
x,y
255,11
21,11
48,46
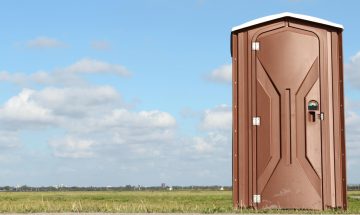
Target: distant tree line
x,y
353,187
25,188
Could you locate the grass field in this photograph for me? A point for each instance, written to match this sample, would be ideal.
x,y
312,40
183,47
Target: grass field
x,y
136,202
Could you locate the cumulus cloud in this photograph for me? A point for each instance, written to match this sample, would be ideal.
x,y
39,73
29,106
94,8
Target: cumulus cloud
x,y
17,78
352,71
9,139
22,111
212,142
140,131
352,128
132,143
216,137
218,118
143,118
95,66
101,45
72,147
68,76
45,42
91,117
222,74
353,145
201,145
77,101
352,120
189,113
52,106
92,124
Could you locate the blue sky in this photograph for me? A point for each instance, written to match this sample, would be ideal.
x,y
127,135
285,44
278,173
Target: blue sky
x,y
134,92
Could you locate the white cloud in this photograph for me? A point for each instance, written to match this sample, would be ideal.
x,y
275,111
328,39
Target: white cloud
x,y
143,118
71,147
216,143
127,127
45,42
94,114
352,120
95,66
222,74
352,128
58,77
218,118
189,113
215,139
100,45
201,145
16,78
68,76
114,141
22,111
9,139
352,71
94,126
52,106
130,131
77,101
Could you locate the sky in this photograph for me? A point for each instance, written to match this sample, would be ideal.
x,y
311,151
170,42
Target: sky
x,y
110,93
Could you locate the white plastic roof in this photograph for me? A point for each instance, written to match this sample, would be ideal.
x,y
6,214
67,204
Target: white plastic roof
x,y
286,14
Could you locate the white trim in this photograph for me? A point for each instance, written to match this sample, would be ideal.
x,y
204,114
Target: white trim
x,y
286,14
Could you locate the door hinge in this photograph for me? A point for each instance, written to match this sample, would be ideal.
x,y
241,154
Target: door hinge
x,y
321,116
255,46
256,121
256,198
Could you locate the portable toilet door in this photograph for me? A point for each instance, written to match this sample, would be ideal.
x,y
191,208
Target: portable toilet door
x,y
288,113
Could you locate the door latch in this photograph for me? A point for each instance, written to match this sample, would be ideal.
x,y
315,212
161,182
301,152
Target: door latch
x,y
321,116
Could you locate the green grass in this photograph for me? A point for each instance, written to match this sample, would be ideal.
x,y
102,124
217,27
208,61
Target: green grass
x,y
135,202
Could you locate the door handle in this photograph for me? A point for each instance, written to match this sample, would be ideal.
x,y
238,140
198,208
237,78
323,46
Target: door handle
x,y
312,116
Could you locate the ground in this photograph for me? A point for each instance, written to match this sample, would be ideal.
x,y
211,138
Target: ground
x,y
136,202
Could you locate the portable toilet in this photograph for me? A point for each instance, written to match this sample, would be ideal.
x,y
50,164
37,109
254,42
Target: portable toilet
x,y
288,113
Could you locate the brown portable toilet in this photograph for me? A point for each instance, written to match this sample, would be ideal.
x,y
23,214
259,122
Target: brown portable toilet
x,y
288,113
